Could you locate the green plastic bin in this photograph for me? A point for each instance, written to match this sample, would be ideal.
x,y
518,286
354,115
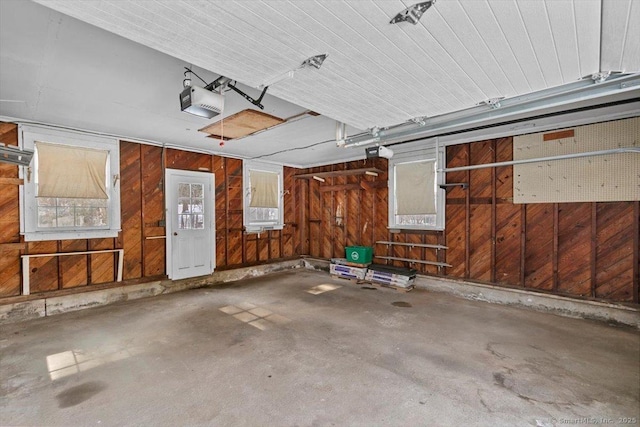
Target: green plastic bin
x,y
359,254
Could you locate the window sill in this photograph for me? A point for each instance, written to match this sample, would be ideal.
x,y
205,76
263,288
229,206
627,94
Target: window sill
x,y
253,229
400,229
39,236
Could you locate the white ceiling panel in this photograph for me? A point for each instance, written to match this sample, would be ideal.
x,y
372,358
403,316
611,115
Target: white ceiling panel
x,y
535,19
501,54
469,37
125,80
620,34
511,23
588,30
562,30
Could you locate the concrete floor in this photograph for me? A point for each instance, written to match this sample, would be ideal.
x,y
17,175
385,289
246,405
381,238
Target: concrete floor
x,y
277,355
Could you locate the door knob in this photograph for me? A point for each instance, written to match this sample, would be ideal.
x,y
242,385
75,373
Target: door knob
x,y
175,233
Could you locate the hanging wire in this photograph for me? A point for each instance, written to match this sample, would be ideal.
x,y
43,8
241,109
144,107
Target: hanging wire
x,y
189,70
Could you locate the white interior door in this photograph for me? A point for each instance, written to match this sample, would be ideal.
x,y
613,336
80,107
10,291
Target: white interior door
x,y
190,223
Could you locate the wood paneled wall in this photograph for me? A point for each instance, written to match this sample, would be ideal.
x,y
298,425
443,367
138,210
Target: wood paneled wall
x,y
344,210
9,218
573,249
142,209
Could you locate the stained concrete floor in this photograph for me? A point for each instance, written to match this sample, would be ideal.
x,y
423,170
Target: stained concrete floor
x,y
265,352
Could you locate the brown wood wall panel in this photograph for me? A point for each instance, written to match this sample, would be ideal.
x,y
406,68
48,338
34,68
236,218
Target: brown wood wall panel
x,y
263,249
415,252
328,225
480,243
235,251
9,219
9,213
614,257
142,169
574,248
43,274
251,249
314,218
291,225
480,182
490,239
457,156
593,249
220,177
274,237
154,259
456,240
234,242
185,160
73,269
10,279
380,205
287,245
339,214
353,231
430,254
504,175
508,244
102,264
130,238
539,246
152,185
367,216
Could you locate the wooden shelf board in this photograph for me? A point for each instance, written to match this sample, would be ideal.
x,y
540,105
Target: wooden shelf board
x,y
360,171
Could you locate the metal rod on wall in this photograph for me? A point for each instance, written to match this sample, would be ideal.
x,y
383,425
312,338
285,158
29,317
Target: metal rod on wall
x,y
545,159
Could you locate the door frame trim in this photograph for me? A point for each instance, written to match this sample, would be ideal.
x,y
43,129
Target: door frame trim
x,y
168,218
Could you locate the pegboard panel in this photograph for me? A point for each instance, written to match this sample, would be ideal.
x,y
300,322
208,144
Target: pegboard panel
x,y
604,178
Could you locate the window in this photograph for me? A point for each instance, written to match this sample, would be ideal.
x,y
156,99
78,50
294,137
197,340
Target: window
x,y
415,200
71,188
190,206
263,208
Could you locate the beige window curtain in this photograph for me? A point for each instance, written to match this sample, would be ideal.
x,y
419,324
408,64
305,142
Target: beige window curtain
x,y
68,171
415,188
264,189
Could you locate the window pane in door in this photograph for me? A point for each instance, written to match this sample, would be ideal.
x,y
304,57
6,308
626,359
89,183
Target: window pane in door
x,y
190,206
196,191
184,190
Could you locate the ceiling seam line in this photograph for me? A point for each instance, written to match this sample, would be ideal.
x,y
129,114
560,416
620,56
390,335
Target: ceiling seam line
x,y
468,53
535,54
454,61
218,33
427,87
624,37
475,27
553,38
506,39
575,34
337,35
405,113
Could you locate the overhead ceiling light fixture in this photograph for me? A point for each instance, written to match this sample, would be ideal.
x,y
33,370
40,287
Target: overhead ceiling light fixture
x,y
314,61
413,13
317,178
